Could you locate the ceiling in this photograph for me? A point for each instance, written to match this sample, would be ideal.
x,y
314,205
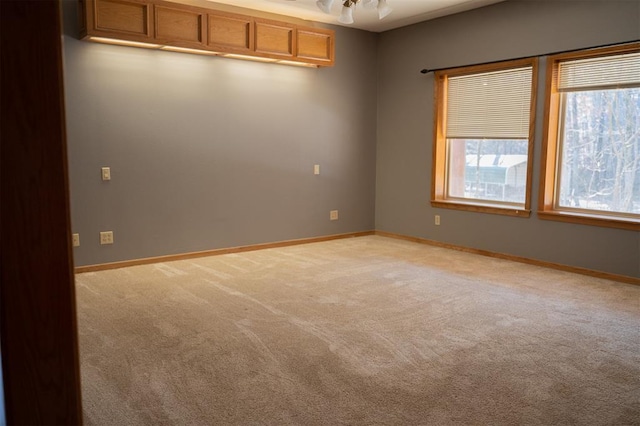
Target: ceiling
x,y
405,12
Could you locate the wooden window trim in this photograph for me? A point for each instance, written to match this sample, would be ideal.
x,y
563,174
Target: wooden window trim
x,y
549,165
438,177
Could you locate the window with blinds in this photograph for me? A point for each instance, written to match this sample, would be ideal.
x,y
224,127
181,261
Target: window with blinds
x,y
483,146
591,172
489,105
616,71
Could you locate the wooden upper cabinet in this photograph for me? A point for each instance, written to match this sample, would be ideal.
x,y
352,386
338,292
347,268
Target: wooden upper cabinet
x,y
120,17
164,23
229,32
274,39
179,26
316,45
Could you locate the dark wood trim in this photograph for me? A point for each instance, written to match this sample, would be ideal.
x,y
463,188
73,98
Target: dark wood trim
x,y
582,271
37,299
216,252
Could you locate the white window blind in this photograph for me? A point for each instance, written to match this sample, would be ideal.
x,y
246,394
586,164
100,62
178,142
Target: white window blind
x,y
493,105
602,72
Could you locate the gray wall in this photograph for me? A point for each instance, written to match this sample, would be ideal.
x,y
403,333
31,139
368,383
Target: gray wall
x,y
405,125
210,153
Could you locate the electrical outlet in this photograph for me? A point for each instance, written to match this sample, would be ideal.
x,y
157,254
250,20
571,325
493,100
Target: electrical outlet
x,y
75,238
106,237
106,173
437,220
316,169
333,215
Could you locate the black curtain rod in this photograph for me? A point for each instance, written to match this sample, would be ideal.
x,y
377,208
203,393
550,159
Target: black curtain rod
x,y
426,71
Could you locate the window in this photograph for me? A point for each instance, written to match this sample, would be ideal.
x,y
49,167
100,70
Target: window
x,y
591,154
483,137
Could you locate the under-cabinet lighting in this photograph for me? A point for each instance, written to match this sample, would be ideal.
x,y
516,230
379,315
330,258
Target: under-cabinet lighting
x,y
125,42
297,64
248,58
270,60
198,52
187,50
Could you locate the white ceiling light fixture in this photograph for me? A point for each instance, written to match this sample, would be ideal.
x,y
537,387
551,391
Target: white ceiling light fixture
x,y
346,16
325,5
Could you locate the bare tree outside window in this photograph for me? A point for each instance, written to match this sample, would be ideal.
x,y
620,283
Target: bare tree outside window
x,y
600,154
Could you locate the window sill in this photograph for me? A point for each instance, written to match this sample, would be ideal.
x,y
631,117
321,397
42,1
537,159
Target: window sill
x,y
482,208
590,219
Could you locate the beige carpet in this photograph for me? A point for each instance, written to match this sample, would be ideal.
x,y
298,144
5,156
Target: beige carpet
x,y
362,331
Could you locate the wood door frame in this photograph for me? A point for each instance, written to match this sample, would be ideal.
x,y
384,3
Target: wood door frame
x,y
37,298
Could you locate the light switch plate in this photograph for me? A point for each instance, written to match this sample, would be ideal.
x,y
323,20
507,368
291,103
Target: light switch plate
x,y
106,173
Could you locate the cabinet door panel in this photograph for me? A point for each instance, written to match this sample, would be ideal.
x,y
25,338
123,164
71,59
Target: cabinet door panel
x,y
313,44
178,25
230,31
274,38
122,16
